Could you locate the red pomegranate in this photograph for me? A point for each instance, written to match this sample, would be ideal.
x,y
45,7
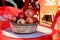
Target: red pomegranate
x,y
13,19
21,15
29,20
29,13
35,19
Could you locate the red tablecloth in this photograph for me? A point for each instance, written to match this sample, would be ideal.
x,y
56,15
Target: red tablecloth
x,y
8,10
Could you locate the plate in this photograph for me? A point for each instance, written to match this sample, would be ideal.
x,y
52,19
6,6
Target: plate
x,y
40,31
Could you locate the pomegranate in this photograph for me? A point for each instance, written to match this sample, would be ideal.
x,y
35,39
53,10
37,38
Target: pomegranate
x,y
35,19
14,19
29,13
22,21
29,20
20,15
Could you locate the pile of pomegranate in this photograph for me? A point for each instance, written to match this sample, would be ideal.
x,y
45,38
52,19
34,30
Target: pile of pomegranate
x,y
25,18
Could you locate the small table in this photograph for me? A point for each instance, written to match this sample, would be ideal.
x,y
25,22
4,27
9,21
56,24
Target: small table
x,y
42,33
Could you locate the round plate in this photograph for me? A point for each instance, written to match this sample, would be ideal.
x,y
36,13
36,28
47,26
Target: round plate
x,y
41,31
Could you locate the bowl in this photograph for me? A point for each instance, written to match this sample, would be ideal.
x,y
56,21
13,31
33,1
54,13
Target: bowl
x,y
24,28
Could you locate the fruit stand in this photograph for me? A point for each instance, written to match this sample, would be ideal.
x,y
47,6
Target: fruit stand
x,y
24,26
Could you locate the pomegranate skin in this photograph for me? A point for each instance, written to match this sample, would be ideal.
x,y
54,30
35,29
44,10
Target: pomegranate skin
x,y
29,13
29,20
21,16
35,19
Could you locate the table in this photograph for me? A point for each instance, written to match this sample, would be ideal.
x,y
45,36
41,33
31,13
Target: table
x,y
43,33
